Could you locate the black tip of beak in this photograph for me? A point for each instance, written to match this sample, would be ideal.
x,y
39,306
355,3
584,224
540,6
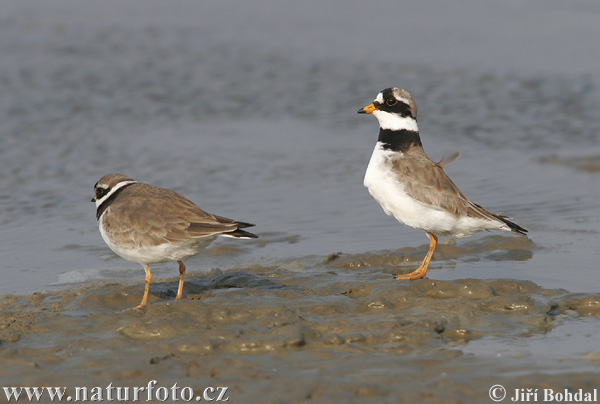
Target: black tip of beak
x,y
94,199
362,111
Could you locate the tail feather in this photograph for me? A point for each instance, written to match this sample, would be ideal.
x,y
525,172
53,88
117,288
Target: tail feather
x,y
515,228
242,225
239,234
226,220
236,233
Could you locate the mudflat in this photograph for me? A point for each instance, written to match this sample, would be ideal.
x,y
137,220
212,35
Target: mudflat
x,y
273,334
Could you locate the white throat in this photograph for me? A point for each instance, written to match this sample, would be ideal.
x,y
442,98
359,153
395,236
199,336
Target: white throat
x,y
112,191
395,121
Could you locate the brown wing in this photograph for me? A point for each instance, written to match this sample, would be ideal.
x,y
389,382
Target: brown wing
x,y
148,216
426,181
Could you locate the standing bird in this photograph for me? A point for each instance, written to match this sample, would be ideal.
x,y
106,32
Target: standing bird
x,y
414,189
148,225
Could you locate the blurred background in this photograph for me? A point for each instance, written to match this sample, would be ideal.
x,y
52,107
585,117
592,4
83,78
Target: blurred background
x,y
249,109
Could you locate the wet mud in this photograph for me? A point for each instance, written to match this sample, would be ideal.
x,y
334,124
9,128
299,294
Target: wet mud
x,y
319,330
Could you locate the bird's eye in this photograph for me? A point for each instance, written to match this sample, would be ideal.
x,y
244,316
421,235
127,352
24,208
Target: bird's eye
x,y
100,192
390,102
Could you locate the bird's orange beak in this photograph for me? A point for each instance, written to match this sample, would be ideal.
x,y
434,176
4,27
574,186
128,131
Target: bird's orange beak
x,y
368,109
94,198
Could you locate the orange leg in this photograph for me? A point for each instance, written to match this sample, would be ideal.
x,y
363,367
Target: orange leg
x,y
421,271
146,289
181,276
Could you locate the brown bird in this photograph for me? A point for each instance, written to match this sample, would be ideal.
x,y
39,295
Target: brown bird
x,y
414,189
148,225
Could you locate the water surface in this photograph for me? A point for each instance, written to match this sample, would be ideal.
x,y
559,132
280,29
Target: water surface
x,y
250,111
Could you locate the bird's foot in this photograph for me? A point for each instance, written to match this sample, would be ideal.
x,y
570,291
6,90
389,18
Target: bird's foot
x,y
418,273
138,307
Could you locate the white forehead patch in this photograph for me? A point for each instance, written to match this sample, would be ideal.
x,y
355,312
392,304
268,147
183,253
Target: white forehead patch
x,y
379,98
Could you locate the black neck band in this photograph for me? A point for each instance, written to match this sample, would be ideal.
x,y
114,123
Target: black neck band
x,y
109,200
399,140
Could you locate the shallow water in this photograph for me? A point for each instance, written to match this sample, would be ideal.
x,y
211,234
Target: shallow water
x,y
253,116
270,135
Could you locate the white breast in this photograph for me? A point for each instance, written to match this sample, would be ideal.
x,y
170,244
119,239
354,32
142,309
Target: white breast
x,y
387,189
384,186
